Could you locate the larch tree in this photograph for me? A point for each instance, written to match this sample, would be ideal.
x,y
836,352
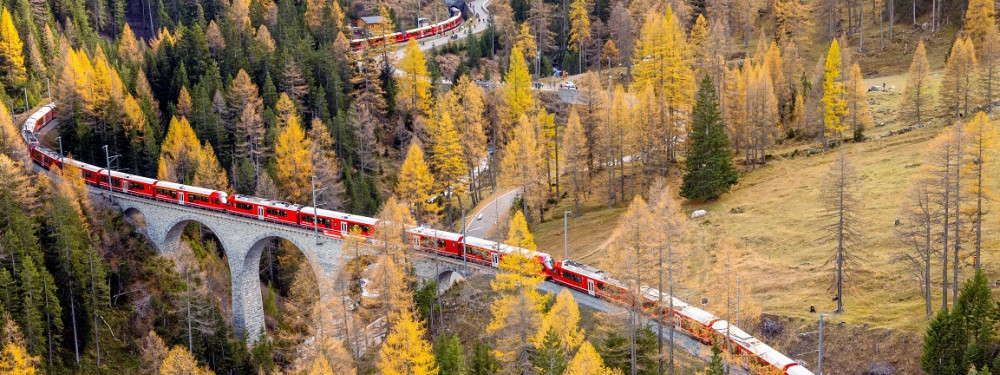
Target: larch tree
x,y
470,123
414,82
526,42
587,362
294,163
981,137
670,241
517,308
389,281
793,21
834,105
579,30
763,120
405,351
631,258
575,151
446,158
980,17
941,166
918,231
326,166
517,92
179,153
857,104
989,65
842,207
11,144
129,47
394,220
958,92
180,361
520,164
12,69
563,320
14,356
917,92
184,102
210,173
247,123
710,172
415,183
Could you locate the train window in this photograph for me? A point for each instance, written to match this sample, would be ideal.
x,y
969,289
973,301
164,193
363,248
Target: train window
x,y
197,198
607,288
244,206
116,182
573,277
136,186
104,179
477,252
88,175
167,192
441,244
271,211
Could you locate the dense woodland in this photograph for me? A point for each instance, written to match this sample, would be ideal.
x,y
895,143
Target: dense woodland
x,y
258,96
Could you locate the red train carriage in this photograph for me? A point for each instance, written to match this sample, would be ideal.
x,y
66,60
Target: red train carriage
x,y
44,157
136,185
587,279
40,118
482,251
191,196
437,242
89,172
336,224
264,209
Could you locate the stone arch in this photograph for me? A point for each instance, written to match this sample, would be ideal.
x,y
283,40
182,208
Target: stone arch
x,y
174,229
246,285
137,218
447,278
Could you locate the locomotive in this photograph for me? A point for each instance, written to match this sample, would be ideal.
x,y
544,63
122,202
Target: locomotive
x,y
758,357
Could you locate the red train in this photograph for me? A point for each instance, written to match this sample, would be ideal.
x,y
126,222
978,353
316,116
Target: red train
x,y
757,356
418,33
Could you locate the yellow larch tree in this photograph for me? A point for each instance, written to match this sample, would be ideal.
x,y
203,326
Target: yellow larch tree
x,y
517,92
179,361
632,259
326,166
763,121
14,356
575,151
405,351
835,107
11,52
857,103
518,235
521,162
526,42
588,362
264,39
989,65
179,153
446,158
548,134
319,366
792,18
579,30
10,137
415,183
914,107
563,319
469,121
394,219
517,308
294,165
129,47
980,17
184,102
958,90
210,173
981,139
414,82
389,281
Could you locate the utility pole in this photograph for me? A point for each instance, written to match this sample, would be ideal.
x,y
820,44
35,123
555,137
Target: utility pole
x,y
59,139
465,243
566,234
48,88
315,210
107,158
26,109
819,361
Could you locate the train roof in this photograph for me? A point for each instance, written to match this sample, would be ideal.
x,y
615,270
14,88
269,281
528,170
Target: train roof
x,y
193,189
481,243
50,153
585,270
753,345
430,232
699,315
798,370
131,177
339,215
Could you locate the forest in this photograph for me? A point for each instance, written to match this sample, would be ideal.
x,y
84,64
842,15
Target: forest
x,y
678,105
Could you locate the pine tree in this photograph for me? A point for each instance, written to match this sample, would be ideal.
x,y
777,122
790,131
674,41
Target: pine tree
x,y
575,151
405,351
11,52
483,362
710,171
917,93
716,366
550,356
835,106
294,164
958,93
975,310
414,82
448,355
415,182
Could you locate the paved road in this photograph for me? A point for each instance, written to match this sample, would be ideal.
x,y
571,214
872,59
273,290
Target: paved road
x,y
480,223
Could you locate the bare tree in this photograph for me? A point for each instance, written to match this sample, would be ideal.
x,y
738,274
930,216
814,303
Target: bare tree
x,y
916,230
842,203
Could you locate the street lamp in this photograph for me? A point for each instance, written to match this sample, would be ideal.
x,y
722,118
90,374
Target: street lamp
x,y
819,362
59,138
566,234
315,210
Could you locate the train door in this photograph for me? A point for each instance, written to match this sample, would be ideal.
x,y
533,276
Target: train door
x,y
260,213
495,260
180,198
590,286
343,228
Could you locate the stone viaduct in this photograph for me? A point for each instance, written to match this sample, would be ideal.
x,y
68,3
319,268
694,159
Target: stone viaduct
x,y
242,240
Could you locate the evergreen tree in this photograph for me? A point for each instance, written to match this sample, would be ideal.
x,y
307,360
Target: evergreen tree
x,y
710,170
448,354
550,358
483,362
716,366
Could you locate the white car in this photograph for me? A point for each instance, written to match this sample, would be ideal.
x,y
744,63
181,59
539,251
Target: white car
x,y
567,85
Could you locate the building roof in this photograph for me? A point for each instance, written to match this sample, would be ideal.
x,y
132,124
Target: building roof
x,y
371,20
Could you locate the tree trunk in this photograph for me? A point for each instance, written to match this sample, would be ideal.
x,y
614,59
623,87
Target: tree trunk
x,y
93,292
944,231
958,212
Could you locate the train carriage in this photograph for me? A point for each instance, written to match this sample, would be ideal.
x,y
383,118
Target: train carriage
x,y
40,118
264,209
191,195
435,241
587,279
136,185
44,157
336,224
